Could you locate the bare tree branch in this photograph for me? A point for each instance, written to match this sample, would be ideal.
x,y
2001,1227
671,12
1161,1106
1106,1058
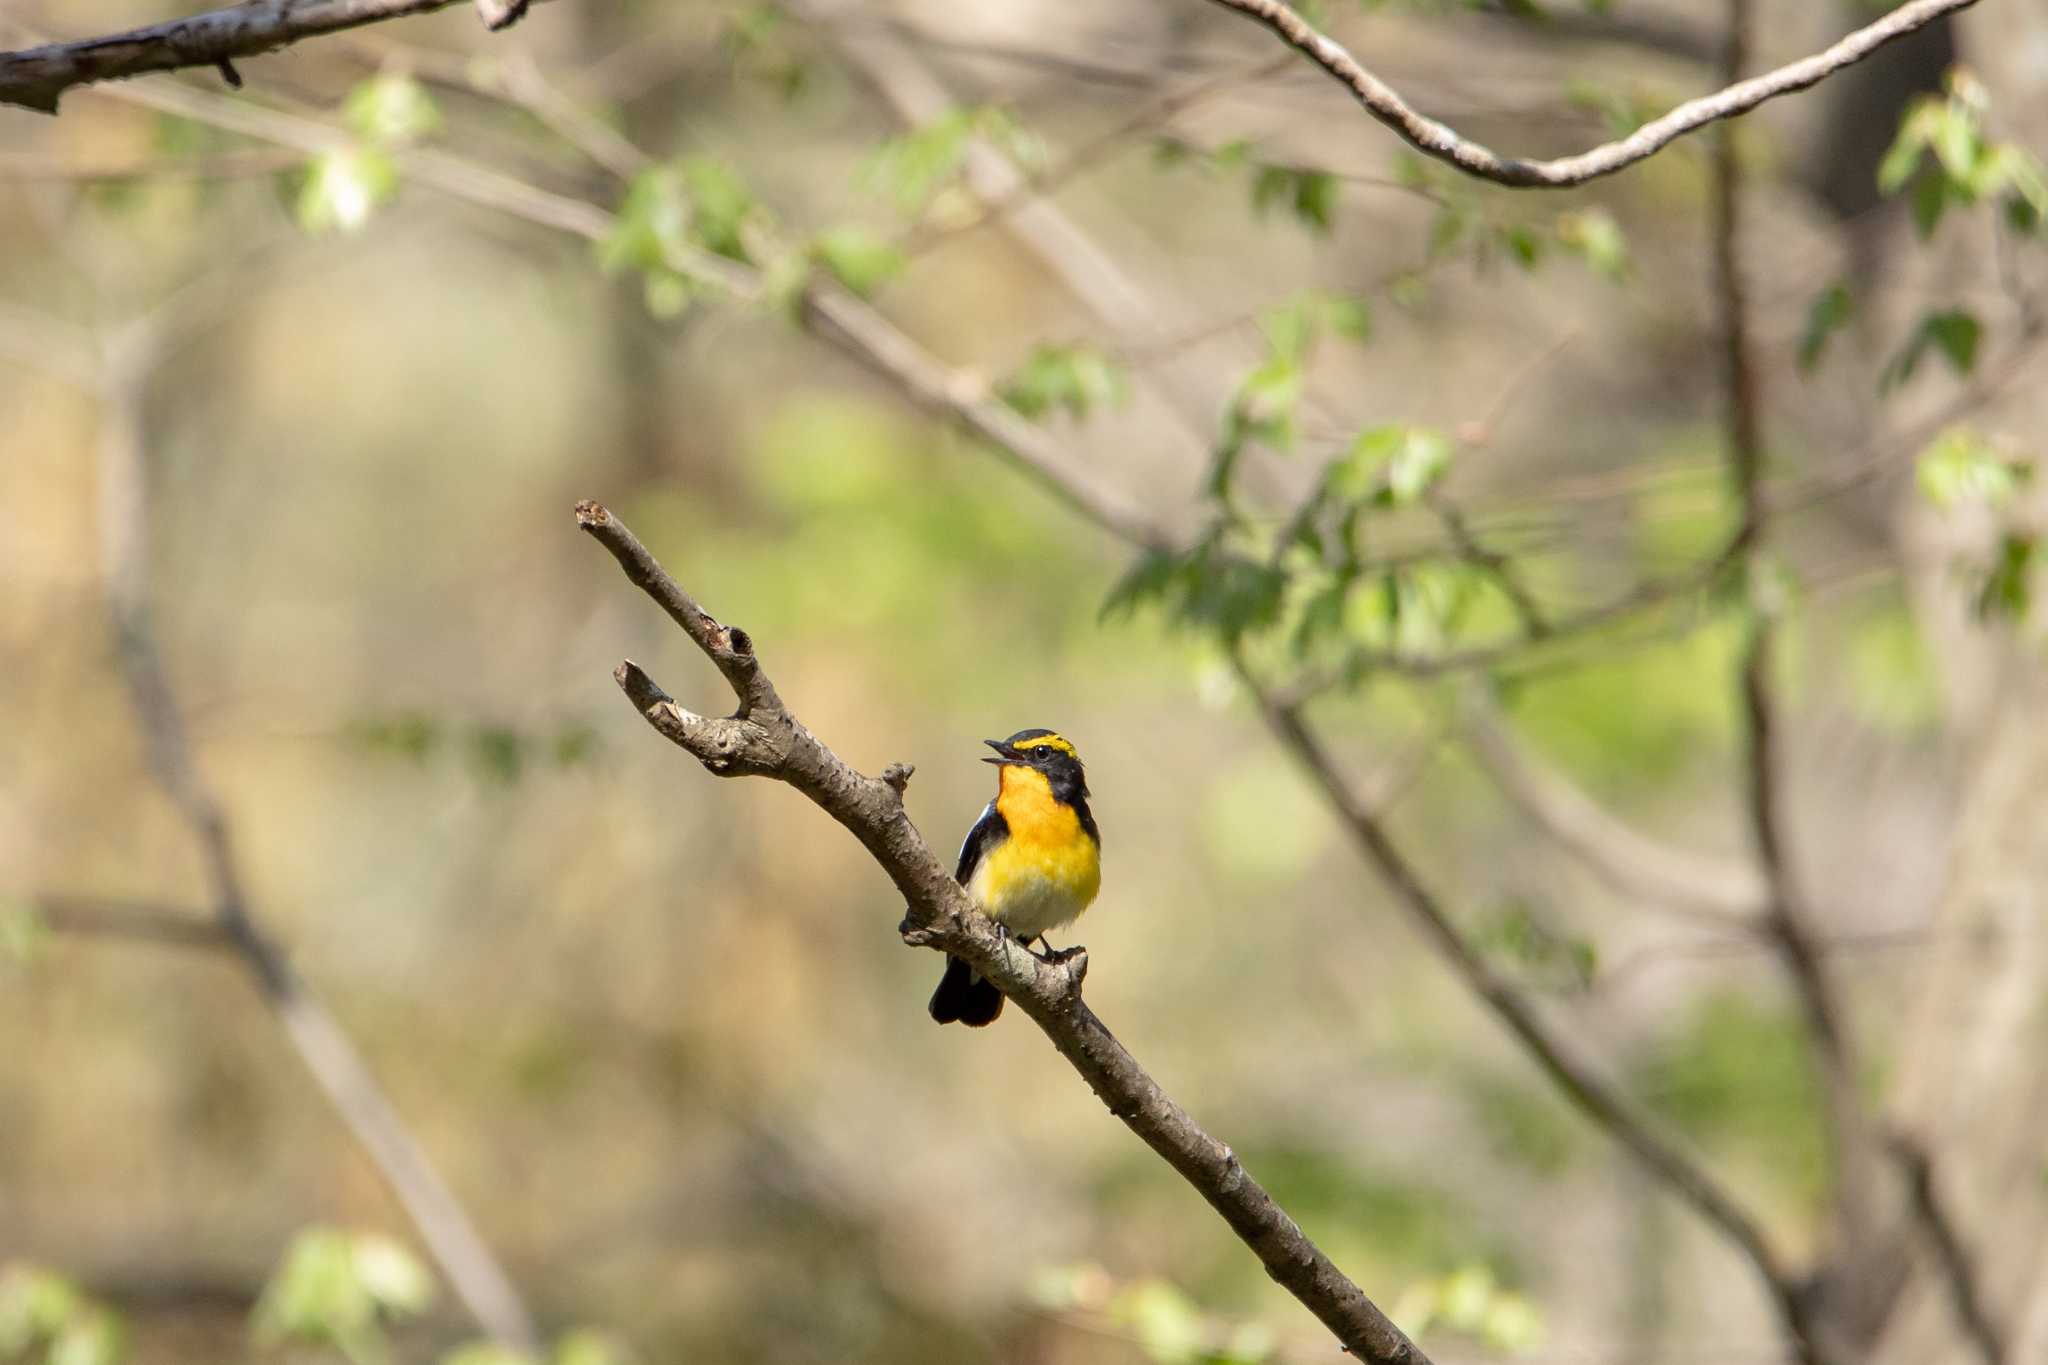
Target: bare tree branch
x,y
329,1056
1591,1093
764,739
1958,1268
1628,861
1437,140
1784,915
37,77
171,925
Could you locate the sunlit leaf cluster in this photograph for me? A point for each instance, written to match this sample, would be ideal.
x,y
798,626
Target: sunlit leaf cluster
x,y
46,1319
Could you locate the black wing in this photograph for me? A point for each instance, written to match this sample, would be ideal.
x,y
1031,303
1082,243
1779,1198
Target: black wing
x,y
991,829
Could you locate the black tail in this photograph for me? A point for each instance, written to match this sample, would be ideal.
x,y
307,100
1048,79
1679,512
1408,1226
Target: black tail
x,y
965,997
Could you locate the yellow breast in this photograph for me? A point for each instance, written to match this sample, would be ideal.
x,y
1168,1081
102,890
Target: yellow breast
x,y
1048,870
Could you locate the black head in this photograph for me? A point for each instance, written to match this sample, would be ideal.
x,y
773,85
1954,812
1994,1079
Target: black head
x,y
1047,751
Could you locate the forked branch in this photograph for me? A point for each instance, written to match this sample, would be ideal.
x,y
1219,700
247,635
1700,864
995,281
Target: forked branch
x,y
764,739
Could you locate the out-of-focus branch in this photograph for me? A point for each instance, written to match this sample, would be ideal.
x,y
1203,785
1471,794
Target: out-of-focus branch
x,y
1784,915
1628,861
37,77
329,1056
830,312
1004,192
1574,1076
170,925
1445,144
764,739
1958,1267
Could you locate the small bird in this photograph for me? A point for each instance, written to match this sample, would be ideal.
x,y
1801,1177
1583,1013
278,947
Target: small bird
x,y
1032,862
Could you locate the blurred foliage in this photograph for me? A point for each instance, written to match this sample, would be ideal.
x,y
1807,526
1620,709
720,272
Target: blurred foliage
x,y
913,168
498,754
45,1318
342,1289
1471,1302
1738,1074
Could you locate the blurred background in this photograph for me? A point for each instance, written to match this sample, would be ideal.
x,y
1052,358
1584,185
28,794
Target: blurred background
x,y
323,365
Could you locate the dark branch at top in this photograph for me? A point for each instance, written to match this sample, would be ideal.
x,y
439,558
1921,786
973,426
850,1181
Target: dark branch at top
x,y
765,740
1435,139
37,77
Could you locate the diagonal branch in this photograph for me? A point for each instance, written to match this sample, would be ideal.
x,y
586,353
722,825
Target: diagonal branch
x,y
37,77
765,740
1446,144
1958,1268
1572,1074
335,1065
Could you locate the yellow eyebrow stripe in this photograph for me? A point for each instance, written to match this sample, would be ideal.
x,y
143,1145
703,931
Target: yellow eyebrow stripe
x,y
1047,742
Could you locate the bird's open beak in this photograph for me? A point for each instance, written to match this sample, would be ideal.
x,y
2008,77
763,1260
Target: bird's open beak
x,y
1004,753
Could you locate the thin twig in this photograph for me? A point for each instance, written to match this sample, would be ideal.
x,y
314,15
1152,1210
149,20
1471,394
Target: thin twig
x,y
1966,1295
764,739
1784,916
445,1227
36,78
1437,140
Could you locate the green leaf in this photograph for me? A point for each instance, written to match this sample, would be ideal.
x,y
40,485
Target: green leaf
x,y
721,204
1953,332
587,1346
391,109
315,1296
1916,127
397,1280
1597,238
1930,200
858,257
1267,399
2007,589
653,222
1165,1321
343,188
337,1288
498,753
1830,311
1149,579
1348,317
1310,194
23,931
1394,465
1522,243
35,1305
93,1337
1962,467
914,167
486,1353
1076,379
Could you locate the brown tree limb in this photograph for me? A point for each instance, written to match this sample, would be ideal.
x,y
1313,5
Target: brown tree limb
x,y
1784,919
1958,1267
1434,139
35,78
1573,1075
764,739
331,1059
170,925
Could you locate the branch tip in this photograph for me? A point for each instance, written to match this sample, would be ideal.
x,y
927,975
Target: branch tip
x,y
897,776
591,514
